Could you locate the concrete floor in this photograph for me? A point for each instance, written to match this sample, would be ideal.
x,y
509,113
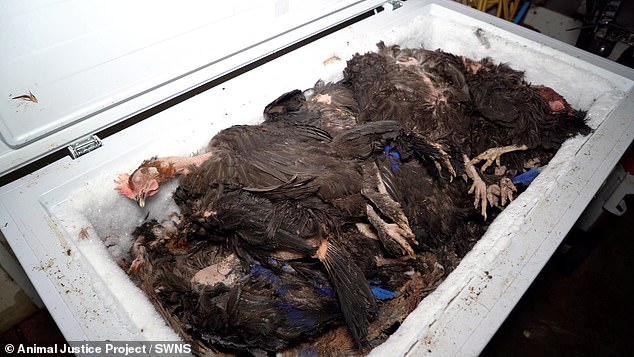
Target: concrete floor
x,y
553,24
18,298
15,305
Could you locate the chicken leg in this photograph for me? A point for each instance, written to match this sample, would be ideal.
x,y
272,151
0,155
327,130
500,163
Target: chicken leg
x,y
396,237
478,187
494,154
495,195
499,194
427,150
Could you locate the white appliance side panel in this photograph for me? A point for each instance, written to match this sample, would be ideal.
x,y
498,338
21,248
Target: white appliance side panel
x,y
43,214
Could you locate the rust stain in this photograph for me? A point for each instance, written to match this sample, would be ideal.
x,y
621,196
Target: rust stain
x,y
27,97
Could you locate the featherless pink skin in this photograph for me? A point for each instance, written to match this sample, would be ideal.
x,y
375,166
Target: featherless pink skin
x,y
556,102
145,181
142,184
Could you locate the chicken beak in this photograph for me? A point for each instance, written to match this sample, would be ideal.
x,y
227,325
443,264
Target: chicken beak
x,y
140,199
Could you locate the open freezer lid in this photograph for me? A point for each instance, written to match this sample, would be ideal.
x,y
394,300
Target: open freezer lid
x,y
69,69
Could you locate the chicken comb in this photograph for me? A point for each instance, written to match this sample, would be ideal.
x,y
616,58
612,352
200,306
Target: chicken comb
x,y
123,186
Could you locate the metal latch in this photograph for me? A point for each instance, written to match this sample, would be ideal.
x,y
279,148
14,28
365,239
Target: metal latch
x,y
395,4
84,146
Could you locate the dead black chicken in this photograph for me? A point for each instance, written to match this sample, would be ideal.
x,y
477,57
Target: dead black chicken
x,y
223,300
481,109
290,197
284,191
438,212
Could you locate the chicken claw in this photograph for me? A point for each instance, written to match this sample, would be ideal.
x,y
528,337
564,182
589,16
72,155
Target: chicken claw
x,y
398,236
139,261
500,195
446,162
494,154
507,188
493,195
392,236
426,150
478,188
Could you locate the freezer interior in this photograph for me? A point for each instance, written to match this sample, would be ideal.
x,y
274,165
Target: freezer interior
x,y
67,224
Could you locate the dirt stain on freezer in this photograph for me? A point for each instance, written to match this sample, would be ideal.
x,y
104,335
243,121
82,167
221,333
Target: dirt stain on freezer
x,y
45,265
55,229
481,35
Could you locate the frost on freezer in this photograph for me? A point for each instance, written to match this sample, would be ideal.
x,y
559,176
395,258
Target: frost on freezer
x,y
199,276
101,239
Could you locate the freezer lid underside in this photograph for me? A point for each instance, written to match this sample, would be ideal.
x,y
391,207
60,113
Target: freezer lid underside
x,y
69,69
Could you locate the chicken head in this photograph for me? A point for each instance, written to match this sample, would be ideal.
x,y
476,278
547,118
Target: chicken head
x,y
142,184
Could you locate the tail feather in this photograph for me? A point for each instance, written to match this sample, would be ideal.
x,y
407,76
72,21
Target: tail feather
x,y
361,141
286,103
353,291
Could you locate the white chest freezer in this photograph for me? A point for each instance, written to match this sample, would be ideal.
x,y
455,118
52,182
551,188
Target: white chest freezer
x,y
72,69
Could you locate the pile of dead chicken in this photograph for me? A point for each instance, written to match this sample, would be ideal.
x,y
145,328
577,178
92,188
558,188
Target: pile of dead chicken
x,y
321,229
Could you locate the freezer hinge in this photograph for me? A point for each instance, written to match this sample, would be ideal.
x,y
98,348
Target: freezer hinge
x,y
395,4
84,146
